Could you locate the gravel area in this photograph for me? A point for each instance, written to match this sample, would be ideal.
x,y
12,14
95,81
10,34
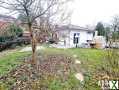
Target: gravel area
x,y
26,49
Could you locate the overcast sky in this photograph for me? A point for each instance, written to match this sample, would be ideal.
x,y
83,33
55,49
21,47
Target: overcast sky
x,y
89,12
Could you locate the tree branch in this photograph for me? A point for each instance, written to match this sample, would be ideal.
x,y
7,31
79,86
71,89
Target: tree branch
x,y
52,3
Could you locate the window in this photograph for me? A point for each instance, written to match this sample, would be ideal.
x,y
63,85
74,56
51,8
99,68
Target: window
x,y
88,40
77,34
88,32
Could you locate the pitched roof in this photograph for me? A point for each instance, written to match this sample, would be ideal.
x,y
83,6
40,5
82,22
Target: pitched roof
x,y
6,18
72,27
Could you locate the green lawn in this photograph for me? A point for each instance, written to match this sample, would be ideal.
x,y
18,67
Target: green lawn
x,y
90,58
10,61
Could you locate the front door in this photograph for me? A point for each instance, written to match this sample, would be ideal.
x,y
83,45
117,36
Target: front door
x,y
76,38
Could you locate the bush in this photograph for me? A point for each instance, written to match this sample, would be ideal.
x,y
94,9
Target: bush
x,y
15,30
110,65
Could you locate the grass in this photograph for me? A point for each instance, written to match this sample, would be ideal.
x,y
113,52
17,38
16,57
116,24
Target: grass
x,y
90,59
10,61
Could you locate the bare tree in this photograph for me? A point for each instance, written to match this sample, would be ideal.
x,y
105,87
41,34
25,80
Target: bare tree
x,y
115,27
32,10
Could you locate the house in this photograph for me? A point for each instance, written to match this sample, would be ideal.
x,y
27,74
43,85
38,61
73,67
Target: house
x,y
4,28
5,22
74,36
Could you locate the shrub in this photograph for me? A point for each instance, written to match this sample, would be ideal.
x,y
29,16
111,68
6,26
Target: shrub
x,y
15,30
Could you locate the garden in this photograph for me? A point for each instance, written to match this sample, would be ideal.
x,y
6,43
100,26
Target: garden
x,y
55,69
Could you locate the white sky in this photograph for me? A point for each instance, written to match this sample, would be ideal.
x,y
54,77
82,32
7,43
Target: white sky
x,y
89,12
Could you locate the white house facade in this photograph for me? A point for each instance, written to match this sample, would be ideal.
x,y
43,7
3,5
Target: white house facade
x,y
74,36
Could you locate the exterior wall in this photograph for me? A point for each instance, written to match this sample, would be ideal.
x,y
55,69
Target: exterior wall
x,y
83,37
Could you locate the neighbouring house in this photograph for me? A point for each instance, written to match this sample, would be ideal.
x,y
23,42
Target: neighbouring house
x,y
5,22
4,28
74,36
40,29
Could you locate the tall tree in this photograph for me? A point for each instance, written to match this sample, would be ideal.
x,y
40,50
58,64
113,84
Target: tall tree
x,y
115,28
100,28
107,33
32,10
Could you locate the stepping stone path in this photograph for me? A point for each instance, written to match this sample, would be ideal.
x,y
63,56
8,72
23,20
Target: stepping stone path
x,y
77,62
79,76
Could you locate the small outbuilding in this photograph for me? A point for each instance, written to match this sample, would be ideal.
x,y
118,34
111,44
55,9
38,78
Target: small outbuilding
x,y
74,36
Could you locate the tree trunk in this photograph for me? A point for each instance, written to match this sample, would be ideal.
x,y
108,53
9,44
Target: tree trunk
x,y
34,45
34,61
